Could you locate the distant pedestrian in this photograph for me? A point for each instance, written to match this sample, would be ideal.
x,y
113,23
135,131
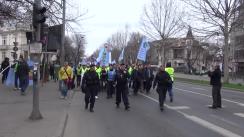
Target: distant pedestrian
x,y
79,70
121,79
51,70
162,80
111,82
23,73
148,78
215,81
5,69
171,72
90,85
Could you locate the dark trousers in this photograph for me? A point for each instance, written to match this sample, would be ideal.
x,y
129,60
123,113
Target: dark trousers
x,y
122,91
136,86
110,89
90,96
148,85
78,80
16,80
4,77
170,90
216,96
161,95
24,82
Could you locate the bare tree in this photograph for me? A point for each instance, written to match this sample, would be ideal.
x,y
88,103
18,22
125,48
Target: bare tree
x,y
162,20
219,17
79,41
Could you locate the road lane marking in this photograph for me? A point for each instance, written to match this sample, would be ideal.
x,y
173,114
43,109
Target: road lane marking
x,y
239,114
225,120
238,103
204,123
200,89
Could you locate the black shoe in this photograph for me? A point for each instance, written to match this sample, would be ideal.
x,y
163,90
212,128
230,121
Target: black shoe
x,y
86,106
127,108
117,105
162,108
212,107
171,100
91,110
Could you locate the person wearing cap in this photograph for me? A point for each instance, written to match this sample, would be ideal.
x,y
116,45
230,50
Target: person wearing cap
x,y
162,80
121,79
170,71
90,85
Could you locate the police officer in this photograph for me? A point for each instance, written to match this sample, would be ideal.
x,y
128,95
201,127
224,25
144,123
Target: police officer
x,y
215,81
170,71
121,79
91,81
162,81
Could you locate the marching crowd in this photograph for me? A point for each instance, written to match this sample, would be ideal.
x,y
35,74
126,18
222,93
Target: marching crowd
x,y
116,79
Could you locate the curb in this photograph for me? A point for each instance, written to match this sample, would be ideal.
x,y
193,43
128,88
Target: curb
x,y
183,81
64,121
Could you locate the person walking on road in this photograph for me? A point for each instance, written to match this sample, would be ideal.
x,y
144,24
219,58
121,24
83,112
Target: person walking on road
x,y
66,76
110,86
79,70
23,73
148,77
215,81
5,69
90,84
170,71
162,80
121,80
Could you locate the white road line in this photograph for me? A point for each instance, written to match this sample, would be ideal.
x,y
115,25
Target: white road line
x,y
200,89
238,103
239,114
204,123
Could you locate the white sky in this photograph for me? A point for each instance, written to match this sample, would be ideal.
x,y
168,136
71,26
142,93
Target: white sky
x,y
106,17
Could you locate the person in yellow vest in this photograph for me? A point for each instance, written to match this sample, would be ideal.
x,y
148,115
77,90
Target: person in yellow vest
x,y
79,70
66,76
170,70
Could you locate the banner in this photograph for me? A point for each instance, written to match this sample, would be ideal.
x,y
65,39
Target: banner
x,y
144,47
121,56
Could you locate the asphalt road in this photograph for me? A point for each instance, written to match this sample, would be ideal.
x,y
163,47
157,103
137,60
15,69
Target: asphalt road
x,y
187,116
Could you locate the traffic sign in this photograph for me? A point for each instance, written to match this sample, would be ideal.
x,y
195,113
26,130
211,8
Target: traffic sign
x,y
15,48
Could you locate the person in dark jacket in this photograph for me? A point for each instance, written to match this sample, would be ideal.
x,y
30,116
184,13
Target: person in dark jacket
x,y
215,81
162,81
137,77
90,82
5,69
148,78
121,80
23,72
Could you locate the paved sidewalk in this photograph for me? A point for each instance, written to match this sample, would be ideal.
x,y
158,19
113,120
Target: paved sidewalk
x,y
15,110
204,77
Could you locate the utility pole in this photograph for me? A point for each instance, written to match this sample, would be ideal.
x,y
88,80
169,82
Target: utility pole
x,y
62,52
36,114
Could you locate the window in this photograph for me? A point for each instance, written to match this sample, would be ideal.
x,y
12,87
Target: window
x,y
4,40
3,55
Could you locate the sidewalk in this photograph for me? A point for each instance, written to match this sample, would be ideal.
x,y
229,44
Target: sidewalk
x,y
204,77
15,110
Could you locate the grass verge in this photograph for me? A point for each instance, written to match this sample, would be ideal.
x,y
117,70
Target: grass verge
x,y
238,87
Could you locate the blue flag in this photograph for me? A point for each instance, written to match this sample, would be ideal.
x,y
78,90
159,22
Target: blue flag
x,y
144,47
121,56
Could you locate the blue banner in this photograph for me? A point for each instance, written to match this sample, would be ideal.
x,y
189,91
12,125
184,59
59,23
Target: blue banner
x,y
144,47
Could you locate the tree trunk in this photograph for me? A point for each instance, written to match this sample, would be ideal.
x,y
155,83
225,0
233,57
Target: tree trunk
x,y
226,54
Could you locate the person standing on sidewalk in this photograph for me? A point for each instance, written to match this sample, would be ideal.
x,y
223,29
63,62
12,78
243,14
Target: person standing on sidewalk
x,y
90,84
215,81
23,73
171,72
121,80
5,69
66,76
162,80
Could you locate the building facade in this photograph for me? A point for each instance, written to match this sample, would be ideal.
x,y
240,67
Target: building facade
x,y
9,35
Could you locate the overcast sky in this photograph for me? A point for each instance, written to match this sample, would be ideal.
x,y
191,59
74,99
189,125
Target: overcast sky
x,y
106,17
